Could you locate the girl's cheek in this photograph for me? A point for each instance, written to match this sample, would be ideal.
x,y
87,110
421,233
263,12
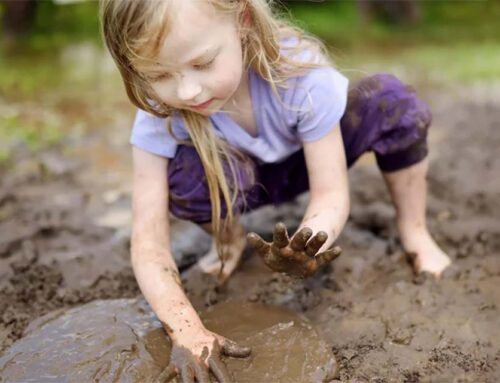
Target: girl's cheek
x,y
166,94
228,82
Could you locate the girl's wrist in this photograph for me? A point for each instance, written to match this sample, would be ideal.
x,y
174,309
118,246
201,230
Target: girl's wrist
x,y
182,322
186,333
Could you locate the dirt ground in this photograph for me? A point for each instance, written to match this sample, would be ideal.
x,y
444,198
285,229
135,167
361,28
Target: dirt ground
x,y
64,237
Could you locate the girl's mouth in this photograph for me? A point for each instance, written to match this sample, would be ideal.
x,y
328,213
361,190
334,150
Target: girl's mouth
x,y
203,105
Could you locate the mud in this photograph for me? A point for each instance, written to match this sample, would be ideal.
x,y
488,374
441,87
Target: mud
x,y
285,346
121,340
65,226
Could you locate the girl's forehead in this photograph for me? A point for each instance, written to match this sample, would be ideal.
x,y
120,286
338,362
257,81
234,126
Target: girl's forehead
x,y
193,28
196,26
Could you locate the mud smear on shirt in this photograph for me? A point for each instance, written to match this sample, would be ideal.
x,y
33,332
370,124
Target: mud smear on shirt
x,y
121,340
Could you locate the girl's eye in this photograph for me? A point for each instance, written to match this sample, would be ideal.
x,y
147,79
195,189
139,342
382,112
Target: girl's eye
x,y
205,65
160,77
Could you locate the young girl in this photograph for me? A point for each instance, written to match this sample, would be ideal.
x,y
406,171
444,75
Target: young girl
x,y
238,110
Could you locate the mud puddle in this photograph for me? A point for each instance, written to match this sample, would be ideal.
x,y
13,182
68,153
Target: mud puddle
x,y
121,340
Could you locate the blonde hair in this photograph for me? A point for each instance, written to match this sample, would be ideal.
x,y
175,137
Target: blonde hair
x,y
131,26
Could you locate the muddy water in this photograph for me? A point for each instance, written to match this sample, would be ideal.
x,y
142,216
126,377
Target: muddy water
x,y
285,346
120,340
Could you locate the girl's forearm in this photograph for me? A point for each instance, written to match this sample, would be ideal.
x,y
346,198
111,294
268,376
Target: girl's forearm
x,y
328,214
160,283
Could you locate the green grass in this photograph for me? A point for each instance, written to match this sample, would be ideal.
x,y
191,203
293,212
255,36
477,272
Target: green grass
x,y
340,24
464,62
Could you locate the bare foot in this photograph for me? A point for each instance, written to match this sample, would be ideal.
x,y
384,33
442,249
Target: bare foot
x,y
211,264
424,253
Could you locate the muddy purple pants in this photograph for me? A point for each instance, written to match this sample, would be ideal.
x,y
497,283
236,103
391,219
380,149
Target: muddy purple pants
x,y
382,115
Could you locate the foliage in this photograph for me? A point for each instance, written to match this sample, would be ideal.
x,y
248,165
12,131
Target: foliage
x,y
443,22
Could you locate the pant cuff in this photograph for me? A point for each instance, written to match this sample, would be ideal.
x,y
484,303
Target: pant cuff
x,y
403,159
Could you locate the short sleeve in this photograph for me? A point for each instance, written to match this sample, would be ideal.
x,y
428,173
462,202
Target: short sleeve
x,y
321,99
150,133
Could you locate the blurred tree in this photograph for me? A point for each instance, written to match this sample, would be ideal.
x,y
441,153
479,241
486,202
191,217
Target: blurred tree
x,y
18,17
392,11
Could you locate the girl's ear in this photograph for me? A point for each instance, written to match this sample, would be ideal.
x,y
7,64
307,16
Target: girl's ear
x,y
246,19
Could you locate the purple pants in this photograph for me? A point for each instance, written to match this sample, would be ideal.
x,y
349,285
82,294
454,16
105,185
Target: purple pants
x,y
383,115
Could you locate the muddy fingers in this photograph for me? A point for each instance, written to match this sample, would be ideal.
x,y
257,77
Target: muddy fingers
x,y
187,374
167,374
280,236
315,243
262,247
232,349
257,242
328,256
300,239
297,257
202,375
219,369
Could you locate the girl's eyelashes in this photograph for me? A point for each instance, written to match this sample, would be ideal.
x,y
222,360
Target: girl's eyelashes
x,y
162,76
205,65
156,77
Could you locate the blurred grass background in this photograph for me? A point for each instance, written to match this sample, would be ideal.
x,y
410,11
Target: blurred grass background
x,y
52,77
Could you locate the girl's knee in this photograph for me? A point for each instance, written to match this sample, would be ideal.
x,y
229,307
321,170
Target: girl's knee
x,y
397,103
386,116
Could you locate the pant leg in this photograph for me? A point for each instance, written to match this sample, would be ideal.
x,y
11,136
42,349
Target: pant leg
x,y
385,116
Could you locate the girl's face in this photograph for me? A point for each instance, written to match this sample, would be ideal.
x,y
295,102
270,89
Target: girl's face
x,y
199,66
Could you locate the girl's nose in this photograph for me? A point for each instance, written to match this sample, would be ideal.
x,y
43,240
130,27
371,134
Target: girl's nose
x,y
187,89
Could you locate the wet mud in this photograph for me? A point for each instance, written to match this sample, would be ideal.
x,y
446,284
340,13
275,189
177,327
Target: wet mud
x,y
64,242
121,340
285,346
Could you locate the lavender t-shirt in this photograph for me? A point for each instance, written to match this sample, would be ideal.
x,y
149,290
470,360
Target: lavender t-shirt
x,y
307,110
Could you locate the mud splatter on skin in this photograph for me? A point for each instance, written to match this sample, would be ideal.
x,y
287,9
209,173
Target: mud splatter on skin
x,y
167,328
174,274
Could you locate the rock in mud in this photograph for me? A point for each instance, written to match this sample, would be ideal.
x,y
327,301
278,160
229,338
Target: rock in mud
x,y
121,340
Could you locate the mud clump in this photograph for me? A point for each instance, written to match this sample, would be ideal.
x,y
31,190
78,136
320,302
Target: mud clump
x,y
121,340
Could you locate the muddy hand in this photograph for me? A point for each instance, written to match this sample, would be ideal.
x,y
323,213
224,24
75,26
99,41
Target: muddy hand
x,y
297,256
193,368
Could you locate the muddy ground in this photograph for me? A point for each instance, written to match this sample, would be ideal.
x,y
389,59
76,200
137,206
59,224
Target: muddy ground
x,y
64,237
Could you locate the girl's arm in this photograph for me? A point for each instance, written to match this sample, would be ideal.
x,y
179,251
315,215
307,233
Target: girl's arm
x,y
195,349
328,207
152,261
325,216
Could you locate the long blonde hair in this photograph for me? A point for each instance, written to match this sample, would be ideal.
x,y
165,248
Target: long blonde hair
x,y
129,27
